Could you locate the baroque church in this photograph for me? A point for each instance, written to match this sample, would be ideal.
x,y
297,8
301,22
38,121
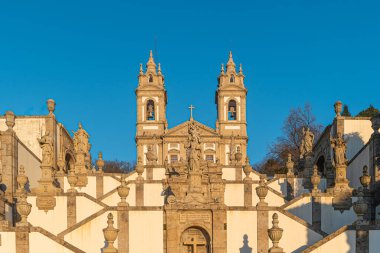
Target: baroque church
x,y
193,189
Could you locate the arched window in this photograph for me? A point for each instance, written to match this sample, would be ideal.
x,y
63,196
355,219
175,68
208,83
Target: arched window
x,y
150,113
150,78
232,110
232,79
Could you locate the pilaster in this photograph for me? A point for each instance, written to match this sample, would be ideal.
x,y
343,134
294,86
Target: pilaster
x,y
219,231
99,185
139,192
362,239
247,193
316,211
123,226
22,239
71,209
262,229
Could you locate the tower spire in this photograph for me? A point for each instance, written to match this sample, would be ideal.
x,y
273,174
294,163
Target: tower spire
x,y
230,64
151,65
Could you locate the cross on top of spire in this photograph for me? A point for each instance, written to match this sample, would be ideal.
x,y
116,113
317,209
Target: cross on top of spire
x,y
191,107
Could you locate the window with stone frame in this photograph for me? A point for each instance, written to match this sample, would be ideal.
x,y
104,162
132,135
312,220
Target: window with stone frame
x,y
210,158
150,78
232,110
150,112
173,158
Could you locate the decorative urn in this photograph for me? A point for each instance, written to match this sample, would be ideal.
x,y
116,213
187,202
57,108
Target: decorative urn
x,y
110,234
360,206
315,178
10,119
100,162
262,190
72,179
247,169
51,106
139,167
275,234
338,108
23,208
123,190
365,179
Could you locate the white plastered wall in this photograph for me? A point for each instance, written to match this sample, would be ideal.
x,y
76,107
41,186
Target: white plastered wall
x,y
374,242
228,173
8,242
302,208
152,195
334,219
296,237
39,243
345,242
85,208
158,173
356,133
355,168
145,231
48,220
239,224
89,237
30,163
234,195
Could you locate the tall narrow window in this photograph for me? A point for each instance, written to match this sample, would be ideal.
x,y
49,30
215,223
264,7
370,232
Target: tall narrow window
x,y
232,79
174,158
150,113
150,78
232,110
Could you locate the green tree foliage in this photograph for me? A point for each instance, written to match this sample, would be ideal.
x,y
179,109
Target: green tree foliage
x,y
346,112
369,112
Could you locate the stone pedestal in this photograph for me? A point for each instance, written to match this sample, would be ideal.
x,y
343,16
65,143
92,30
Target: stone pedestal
x,y
99,184
262,229
247,192
22,239
123,226
71,209
140,192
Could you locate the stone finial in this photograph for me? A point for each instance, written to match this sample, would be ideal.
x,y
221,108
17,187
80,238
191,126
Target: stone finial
x,y
360,207
100,162
230,64
315,179
72,179
139,167
290,165
365,179
110,235
22,180
338,108
24,209
376,123
275,234
51,106
159,69
141,70
151,65
262,191
240,69
10,119
123,191
222,69
247,169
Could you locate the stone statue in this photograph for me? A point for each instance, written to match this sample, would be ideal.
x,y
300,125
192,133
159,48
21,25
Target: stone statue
x,y
46,144
151,155
193,148
307,142
81,143
339,147
150,111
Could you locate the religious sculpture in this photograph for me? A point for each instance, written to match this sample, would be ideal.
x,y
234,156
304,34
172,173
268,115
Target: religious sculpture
x,y
151,155
81,143
339,147
193,148
46,144
307,142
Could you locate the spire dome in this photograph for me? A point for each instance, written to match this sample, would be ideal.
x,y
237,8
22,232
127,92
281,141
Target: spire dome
x,y
230,64
151,65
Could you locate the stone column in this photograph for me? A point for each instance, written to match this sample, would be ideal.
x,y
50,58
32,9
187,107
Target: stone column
x,y
22,239
149,172
71,209
362,239
139,183
99,185
123,226
219,244
262,229
316,211
172,236
247,193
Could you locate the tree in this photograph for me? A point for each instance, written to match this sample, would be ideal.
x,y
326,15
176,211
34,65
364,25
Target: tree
x,y
369,112
290,141
116,166
346,112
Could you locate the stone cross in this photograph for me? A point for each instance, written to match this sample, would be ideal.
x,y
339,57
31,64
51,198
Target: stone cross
x,y
194,243
191,107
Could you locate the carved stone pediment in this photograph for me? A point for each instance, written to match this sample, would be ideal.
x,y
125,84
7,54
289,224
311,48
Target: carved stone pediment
x,y
182,130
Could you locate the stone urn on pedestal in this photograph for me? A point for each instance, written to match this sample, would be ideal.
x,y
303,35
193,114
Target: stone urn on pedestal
x,y
100,162
247,169
365,179
24,209
10,119
72,179
275,234
123,191
315,180
110,235
262,191
139,168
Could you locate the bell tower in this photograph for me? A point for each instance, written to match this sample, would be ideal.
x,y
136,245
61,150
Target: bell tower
x,y
151,99
231,121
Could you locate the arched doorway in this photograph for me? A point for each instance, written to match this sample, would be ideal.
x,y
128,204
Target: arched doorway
x,y
195,240
69,162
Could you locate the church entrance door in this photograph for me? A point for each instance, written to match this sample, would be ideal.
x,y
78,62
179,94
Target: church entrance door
x,y
195,240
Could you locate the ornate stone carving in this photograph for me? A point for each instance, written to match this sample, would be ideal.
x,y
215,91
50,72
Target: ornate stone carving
x,y
72,179
339,147
275,234
100,162
24,209
315,180
51,106
81,140
82,152
110,234
139,168
262,191
247,169
10,119
151,155
22,180
307,142
46,144
290,166
123,191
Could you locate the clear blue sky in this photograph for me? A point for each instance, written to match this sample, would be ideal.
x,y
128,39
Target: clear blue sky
x,y
86,55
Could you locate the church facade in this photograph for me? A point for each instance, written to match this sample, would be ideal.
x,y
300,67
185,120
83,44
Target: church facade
x,y
193,189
